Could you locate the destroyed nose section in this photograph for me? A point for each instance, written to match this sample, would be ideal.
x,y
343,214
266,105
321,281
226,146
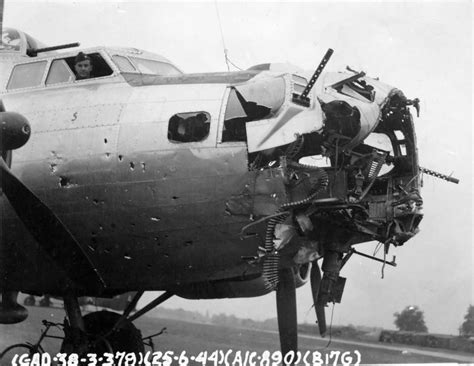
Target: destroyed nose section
x,y
369,188
328,170
369,136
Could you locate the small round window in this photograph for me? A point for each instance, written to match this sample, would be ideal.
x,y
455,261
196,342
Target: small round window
x,y
189,127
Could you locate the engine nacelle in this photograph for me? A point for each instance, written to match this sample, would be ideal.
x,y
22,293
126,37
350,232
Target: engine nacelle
x,y
252,287
14,131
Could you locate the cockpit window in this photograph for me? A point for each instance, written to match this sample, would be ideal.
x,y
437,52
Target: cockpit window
x,y
251,102
123,63
189,127
100,67
63,70
155,67
27,75
59,72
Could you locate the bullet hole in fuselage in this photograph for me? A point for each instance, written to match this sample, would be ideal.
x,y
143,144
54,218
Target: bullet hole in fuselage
x,y
64,182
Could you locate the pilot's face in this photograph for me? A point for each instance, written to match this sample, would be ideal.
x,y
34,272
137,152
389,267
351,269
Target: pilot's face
x,y
83,69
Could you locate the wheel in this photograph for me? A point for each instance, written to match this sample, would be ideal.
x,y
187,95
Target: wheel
x,y
126,339
29,301
45,302
6,357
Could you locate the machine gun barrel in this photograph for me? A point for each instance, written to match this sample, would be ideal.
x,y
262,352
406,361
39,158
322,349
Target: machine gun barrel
x,y
341,83
392,263
439,175
303,98
318,71
33,52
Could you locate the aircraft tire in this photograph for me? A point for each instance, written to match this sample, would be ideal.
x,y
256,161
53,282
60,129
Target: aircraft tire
x,y
29,301
126,339
45,302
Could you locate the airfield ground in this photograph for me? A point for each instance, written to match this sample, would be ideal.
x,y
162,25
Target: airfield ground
x,y
195,338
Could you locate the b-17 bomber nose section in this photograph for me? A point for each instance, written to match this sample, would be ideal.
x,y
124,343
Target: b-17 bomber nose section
x,y
354,180
14,131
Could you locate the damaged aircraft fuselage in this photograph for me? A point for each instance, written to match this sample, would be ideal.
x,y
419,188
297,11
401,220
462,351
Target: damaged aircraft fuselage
x,y
208,184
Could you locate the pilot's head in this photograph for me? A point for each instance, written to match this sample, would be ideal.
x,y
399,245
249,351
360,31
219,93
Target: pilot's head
x,y
83,66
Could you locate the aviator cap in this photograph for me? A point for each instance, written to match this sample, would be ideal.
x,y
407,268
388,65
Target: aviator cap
x,y
81,56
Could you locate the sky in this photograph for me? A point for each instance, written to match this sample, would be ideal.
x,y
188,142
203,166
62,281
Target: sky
x,y
423,48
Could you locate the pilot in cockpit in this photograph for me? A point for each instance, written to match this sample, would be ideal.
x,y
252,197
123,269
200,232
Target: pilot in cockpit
x,y
83,66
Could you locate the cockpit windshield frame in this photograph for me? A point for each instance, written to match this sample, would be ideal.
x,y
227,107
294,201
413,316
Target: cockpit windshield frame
x,y
107,70
143,65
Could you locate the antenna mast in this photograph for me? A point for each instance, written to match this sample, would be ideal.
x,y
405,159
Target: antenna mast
x,y
1,21
222,36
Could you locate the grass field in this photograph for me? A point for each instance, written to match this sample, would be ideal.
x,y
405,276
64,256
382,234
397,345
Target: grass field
x,y
195,338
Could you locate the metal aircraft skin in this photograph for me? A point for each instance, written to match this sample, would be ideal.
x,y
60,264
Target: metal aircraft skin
x,y
199,184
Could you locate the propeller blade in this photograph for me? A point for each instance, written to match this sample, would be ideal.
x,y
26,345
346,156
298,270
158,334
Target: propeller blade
x,y
286,309
315,279
49,231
